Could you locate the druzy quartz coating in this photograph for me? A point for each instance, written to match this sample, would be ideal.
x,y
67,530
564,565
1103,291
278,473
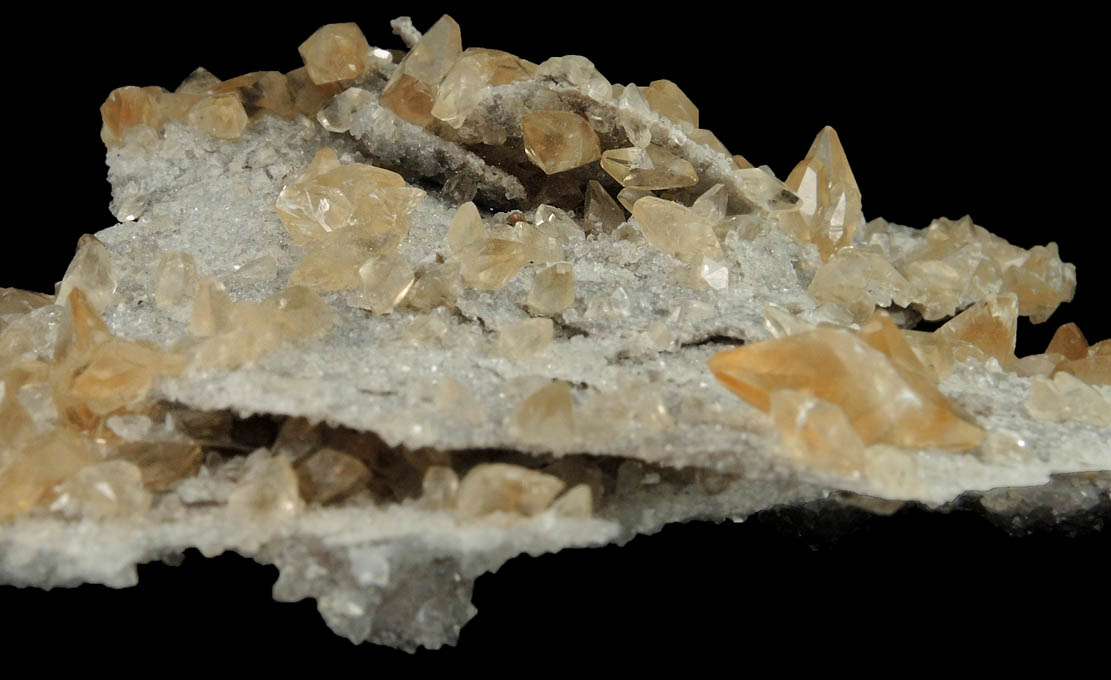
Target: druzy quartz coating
x,y
630,325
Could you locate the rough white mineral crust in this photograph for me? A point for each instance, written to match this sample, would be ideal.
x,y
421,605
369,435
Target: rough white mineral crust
x,y
401,574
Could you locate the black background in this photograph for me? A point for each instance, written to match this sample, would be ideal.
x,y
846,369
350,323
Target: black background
x,y
941,114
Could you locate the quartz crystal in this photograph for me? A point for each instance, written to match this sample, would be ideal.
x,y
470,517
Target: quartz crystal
x,y
382,322
557,141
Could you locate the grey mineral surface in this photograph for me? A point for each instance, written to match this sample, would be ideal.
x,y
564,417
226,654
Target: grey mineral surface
x,y
392,318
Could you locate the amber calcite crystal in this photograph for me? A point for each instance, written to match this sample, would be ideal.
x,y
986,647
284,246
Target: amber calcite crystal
x,y
1069,342
883,400
557,141
666,99
676,229
829,210
500,487
127,107
465,85
223,117
991,326
649,168
286,350
553,289
335,52
329,196
412,89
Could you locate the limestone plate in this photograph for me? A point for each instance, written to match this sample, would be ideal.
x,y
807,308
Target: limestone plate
x,y
416,312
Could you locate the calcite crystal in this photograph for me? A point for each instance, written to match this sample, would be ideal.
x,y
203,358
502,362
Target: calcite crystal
x,y
390,318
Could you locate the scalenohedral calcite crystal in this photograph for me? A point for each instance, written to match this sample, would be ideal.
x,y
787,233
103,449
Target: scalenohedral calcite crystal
x,y
390,319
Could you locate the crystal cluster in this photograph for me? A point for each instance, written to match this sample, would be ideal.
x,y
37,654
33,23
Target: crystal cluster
x,y
439,306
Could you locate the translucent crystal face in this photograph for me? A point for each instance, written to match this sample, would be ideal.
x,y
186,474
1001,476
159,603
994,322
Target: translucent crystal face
x,y
453,299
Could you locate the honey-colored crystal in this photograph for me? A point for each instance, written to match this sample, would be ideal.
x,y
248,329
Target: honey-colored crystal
x,y
1066,398
500,487
465,84
557,141
439,487
1042,282
309,97
884,402
112,489
578,72
328,197
333,260
17,301
859,281
412,89
335,52
175,280
437,284
628,197
600,211
829,199
578,502
301,313
466,228
676,229
330,475
817,433
632,111
38,466
557,224
489,265
126,107
1069,342
545,416
650,168
990,325
162,463
386,278
260,92
212,308
1094,370
267,496
91,271
553,289
223,116
669,101
525,338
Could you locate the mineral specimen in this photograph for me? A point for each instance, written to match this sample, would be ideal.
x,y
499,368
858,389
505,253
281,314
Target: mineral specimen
x,y
393,317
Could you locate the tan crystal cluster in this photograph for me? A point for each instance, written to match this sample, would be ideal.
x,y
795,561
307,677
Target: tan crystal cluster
x,y
84,438
833,392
